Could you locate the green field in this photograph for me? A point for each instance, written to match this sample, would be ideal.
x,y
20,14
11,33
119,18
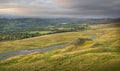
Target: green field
x,y
41,32
41,41
101,54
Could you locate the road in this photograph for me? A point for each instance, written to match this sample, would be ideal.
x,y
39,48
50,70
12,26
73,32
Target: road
x,y
7,55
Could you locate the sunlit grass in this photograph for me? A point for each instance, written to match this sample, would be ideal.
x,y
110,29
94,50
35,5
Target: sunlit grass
x,y
41,41
101,54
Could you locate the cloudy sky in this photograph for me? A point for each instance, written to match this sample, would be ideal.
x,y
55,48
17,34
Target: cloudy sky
x,y
61,8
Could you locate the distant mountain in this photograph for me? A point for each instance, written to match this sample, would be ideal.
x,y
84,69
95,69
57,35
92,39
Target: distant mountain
x,y
21,28
37,23
10,16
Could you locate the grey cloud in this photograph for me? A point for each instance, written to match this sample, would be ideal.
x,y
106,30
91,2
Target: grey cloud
x,y
94,7
15,1
76,8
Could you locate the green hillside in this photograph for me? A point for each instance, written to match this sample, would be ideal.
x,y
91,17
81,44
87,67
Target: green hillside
x,y
21,28
81,54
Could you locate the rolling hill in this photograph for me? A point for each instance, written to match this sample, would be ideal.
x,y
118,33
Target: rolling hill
x,y
100,54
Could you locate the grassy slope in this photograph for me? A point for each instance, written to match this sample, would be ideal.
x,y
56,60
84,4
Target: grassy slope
x,y
41,41
102,54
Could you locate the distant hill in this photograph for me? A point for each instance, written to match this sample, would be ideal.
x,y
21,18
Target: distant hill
x,y
36,23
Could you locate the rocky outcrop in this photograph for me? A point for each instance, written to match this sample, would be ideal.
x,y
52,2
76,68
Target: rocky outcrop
x,y
80,41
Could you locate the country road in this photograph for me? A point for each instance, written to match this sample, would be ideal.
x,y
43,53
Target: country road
x,y
7,55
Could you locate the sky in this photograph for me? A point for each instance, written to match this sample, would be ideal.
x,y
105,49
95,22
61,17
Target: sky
x,y
61,8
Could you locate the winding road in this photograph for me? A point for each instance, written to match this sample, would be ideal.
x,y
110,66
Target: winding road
x,y
93,36
6,55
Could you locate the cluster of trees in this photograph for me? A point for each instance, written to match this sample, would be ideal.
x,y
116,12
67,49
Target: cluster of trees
x,y
17,35
15,29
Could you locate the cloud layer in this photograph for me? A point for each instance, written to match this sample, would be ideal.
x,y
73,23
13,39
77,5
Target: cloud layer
x,y
61,8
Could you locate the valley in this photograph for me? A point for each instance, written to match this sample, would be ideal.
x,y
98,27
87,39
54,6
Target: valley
x,y
81,53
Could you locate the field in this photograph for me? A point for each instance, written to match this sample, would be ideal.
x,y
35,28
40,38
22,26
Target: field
x,y
41,41
100,54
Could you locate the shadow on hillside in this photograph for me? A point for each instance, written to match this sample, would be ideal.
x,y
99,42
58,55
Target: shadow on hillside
x,y
80,41
117,25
